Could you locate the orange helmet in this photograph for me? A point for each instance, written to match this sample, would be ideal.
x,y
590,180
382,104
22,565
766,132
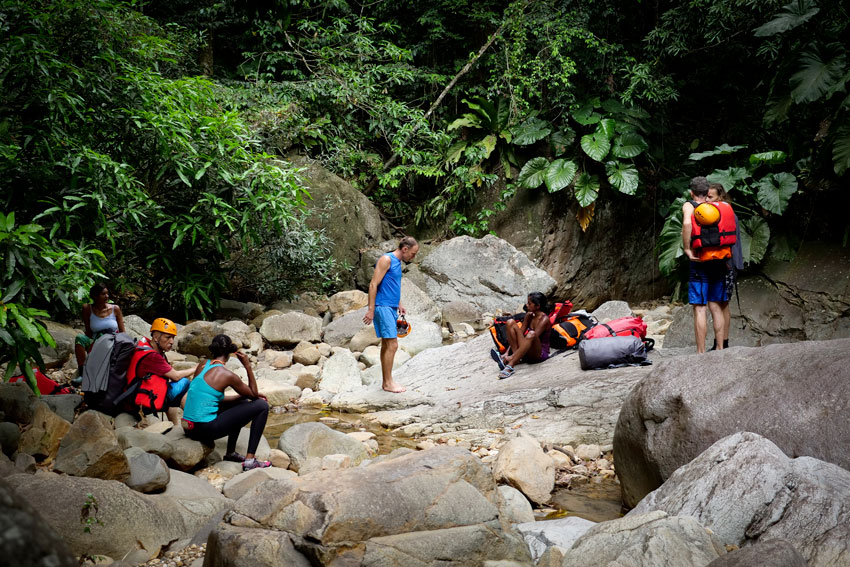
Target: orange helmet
x,y
707,214
403,328
164,325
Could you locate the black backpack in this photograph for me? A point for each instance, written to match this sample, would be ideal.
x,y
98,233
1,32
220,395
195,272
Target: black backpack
x,y
105,372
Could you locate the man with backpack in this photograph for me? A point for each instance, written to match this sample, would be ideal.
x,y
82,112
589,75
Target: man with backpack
x,y
163,332
707,275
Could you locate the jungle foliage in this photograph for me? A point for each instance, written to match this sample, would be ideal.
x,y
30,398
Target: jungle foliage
x,y
147,140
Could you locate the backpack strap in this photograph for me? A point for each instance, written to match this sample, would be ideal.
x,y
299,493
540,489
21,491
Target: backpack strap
x,y
134,384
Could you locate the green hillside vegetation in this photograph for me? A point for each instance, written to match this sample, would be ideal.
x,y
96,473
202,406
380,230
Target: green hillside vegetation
x,y
146,141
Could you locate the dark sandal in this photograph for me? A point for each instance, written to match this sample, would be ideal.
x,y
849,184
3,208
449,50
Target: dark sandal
x,y
234,457
494,354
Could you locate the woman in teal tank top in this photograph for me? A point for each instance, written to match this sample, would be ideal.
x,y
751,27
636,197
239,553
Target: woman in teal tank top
x,y
209,414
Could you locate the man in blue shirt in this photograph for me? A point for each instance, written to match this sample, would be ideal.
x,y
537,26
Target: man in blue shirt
x,y
385,305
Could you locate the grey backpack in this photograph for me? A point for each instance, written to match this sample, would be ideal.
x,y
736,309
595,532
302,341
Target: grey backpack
x,y
613,352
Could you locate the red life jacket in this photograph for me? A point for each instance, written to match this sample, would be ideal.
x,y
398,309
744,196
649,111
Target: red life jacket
x,y
714,242
150,391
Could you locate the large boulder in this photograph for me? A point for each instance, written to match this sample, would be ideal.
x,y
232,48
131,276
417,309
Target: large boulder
x,y
231,546
308,440
805,299
488,272
775,552
148,472
523,464
195,338
42,438
427,508
417,303
563,532
341,373
64,337
344,302
239,333
341,212
340,331
423,335
230,309
90,448
26,540
17,402
291,328
136,327
790,393
647,540
745,489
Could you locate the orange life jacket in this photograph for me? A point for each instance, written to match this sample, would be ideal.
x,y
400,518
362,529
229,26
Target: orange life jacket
x,y
714,242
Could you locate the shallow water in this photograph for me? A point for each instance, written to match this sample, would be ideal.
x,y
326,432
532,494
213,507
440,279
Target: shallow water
x,y
596,500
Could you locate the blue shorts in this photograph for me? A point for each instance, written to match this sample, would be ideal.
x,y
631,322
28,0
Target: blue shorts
x,y
385,322
707,282
176,391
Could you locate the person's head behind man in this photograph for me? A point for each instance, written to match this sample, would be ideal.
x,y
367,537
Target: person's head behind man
x,y
699,188
163,332
408,247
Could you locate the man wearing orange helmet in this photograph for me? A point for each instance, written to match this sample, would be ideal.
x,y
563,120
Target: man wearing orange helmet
x,y
163,332
706,279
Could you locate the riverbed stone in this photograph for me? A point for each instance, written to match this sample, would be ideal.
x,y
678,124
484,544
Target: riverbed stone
x,y
245,311
136,327
289,329
231,546
90,448
423,335
16,402
42,438
148,440
340,331
305,440
278,358
64,337
744,488
238,332
64,405
186,453
332,513
346,301
195,338
239,485
561,532
10,435
460,312
515,506
689,402
341,373
306,353
417,302
776,552
148,472
611,310
363,339
523,464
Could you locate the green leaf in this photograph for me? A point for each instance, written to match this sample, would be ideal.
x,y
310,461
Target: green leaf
x,y
793,14
586,189
562,140
183,177
724,149
489,144
533,173
821,67
777,109
841,150
531,131
456,151
622,176
608,127
669,244
628,145
755,236
26,325
560,174
586,116
729,178
775,190
596,146
768,157
30,376
12,291
468,120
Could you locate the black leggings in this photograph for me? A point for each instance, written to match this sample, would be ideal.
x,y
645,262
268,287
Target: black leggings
x,y
231,418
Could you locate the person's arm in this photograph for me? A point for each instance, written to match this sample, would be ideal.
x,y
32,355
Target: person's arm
x,y
249,390
175,375
687,213
526,322
87,319
119,317
381,268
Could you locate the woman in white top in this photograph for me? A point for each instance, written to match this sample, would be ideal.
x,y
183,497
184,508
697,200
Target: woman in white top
x,y
99,317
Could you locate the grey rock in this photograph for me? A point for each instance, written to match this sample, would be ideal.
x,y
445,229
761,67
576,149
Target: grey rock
x,y
231,546
563,532
239,485
291,328
306,353
64,337
239,333
10,435
146,441
91,449
306,440
363,339
41,439
195,338
744,488
25,537
148,472
16,402
461,312
423,335
25,463
230,309
344,302
310,303
64,405
689,402
136,327
611,310
217,454
523,464
647,540
194,499
340,331
417,303
341,373
488,272
774,552
186,453
515,507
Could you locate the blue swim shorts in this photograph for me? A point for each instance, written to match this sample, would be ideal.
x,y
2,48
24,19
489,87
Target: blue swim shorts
x,y
707,282
385,322
176,391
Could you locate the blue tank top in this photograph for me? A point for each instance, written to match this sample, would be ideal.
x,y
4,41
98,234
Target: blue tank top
x,y
389,290
103,324
202,400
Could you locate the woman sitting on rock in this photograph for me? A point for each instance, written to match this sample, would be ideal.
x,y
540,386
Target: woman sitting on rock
x,y
99,317
530,341
209,415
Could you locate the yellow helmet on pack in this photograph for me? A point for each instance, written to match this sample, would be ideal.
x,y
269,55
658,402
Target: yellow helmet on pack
x,y
164,325
707,214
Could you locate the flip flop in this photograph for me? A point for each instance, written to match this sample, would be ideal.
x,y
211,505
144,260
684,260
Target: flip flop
x,y
507,372
494,354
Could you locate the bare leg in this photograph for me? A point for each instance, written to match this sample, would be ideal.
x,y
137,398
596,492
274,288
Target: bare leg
x,y
173,415
727,321
523,346
388,350
718,321
700,327
80,354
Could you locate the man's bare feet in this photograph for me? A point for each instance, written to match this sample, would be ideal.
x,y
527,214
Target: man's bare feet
x,y
394,388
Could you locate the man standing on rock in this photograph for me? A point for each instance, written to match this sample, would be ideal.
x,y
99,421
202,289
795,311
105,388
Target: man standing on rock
x,y
385,305
706,279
